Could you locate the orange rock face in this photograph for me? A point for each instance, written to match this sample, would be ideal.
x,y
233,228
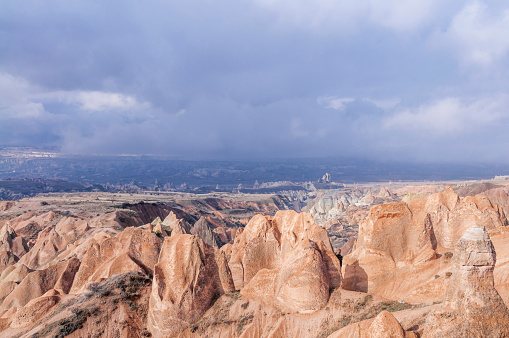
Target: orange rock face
x,y
398,252
300,285
188,275
133,249
286,260
37,283
175,225
277,277
384,325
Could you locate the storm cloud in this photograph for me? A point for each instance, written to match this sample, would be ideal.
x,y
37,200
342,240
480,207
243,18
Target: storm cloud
x,y
422,80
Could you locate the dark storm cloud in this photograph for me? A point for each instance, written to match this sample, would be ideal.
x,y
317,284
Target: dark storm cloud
x,y
423,80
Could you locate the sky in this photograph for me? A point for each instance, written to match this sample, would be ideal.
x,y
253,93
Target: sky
x,y
416,80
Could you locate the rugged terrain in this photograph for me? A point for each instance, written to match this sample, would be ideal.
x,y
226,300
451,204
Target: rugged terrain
x,y
426,260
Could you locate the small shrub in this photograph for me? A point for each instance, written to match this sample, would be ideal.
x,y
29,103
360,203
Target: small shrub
x,y
448,274
159,234
362,303
75,322
437,276
97,290
243,322
234,295
448,255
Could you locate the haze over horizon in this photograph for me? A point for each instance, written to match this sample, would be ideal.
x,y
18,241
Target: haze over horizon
x,y
416,81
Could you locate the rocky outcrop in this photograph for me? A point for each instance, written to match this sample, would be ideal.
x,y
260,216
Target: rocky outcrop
x,y
133,249
388,239
399,250
59,276
348,247
473,307
291,256
9,241
52,240
385,192
6,205
188,276
500,196
384,325
451,217
176,226
224,235
300,285
10,278
203,230
35,309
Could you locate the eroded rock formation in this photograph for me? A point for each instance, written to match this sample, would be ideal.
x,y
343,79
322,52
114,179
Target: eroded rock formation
x,y
286,260
473,307
176,226
188,275
401,246
203,230
133,249
279,276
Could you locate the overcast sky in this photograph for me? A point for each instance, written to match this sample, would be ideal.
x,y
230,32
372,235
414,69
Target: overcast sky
x,y
422,80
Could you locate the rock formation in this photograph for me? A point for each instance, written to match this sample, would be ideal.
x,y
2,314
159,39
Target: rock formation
x,y
175,226
473,307
59,276
35,309
384,325
203,230
10,242
300,285
133,249
188,275
400,245
225,235
6,205
286,260
385,192
68,272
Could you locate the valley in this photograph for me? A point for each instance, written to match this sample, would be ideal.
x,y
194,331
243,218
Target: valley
x,y
411,259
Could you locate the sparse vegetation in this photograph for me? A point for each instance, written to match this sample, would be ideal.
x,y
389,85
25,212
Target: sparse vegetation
x,y
363,302
66,326
234,295
98,290
243,322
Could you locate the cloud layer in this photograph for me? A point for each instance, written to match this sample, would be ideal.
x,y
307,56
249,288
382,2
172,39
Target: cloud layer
x,y
420,80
